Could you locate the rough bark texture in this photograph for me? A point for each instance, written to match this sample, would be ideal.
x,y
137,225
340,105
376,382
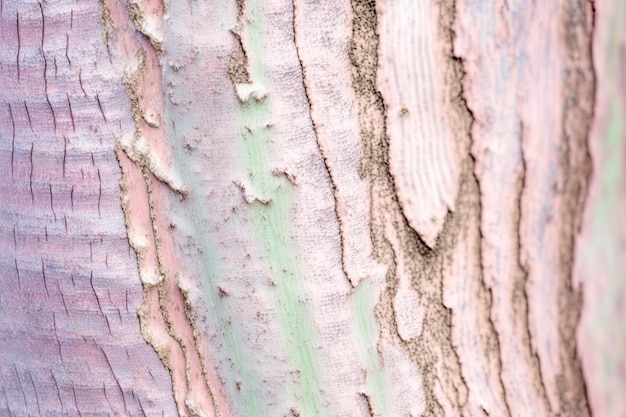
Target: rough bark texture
x,y
304,208
69,340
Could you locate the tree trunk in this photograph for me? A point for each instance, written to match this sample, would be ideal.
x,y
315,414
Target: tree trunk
x,y
304,208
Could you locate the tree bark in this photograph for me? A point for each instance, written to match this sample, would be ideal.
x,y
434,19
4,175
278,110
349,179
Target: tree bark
x,y
303,208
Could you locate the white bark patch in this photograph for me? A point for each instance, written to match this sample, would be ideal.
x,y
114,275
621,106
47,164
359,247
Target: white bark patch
x,y
247,91
193,408
137,149
150,277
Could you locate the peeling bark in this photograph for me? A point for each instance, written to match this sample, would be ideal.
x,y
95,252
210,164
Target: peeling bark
x,y
295,208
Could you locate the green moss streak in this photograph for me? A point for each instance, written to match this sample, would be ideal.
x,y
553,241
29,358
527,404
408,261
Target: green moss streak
x,y
272,224
234,357
238,355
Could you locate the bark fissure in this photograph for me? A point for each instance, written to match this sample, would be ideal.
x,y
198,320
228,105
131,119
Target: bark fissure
x,y
191,317
484,288
520,286
12,141
45,67
30,121
238,59
30,178
119,385
76,401
36,394
323,153
67,49
164,274
19,44
56,387
526,276
172,333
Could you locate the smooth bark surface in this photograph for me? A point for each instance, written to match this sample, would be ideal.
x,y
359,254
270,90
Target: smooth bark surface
x,y
302,208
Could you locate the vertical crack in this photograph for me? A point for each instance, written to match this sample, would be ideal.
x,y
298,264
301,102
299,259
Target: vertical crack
x,y
56,386
12,140
119,385
45,66
76,401
32,194
19,44
520,289
484,288
30,121
67,48
36,395
323,152
64,154
69,104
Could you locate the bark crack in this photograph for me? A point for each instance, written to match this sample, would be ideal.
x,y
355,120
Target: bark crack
x,y
323,153
30,122
56,387
119,385
76,401
56,335
484,288
12,140
36,395
19,44
45,67
191,318
520,290
32,194
67,48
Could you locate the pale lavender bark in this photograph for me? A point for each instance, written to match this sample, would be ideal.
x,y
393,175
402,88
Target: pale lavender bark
x,y
69,334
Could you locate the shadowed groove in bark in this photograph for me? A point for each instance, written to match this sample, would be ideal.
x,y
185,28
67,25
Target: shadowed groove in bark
x,y
238,59
579,95
519,297
469,175
469,202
